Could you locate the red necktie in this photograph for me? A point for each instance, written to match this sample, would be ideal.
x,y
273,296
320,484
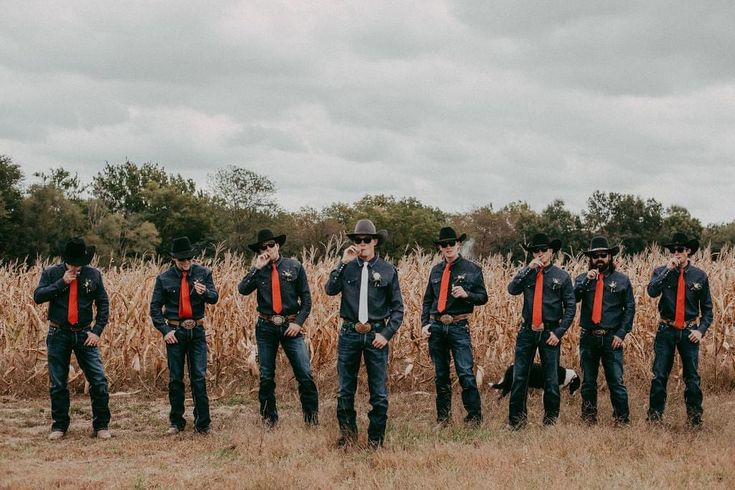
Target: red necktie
x,y
443,289
680,293
597,305
72,314
276,290
538,299
184,299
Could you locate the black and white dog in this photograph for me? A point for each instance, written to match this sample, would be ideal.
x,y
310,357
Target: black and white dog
x,y
567,378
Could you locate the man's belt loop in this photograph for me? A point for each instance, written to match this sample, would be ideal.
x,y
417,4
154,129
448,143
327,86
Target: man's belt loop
x,y
277,320
450,319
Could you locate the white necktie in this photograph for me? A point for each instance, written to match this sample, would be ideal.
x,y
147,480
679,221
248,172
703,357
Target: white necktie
x,y
362,313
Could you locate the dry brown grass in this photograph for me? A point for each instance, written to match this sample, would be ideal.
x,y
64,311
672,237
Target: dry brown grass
x,y
239,454
134,353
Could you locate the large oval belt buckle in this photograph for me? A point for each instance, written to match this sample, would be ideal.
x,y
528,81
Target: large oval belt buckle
x,y
446,319
363,327
188,324
278,320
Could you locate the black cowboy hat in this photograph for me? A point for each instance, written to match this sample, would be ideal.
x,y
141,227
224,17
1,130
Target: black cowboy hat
x,y
680,239
541,240
77,253
447,234
365,227
600,244
181,248
264,236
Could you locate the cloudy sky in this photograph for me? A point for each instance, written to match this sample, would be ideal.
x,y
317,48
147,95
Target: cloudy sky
x,y
458,103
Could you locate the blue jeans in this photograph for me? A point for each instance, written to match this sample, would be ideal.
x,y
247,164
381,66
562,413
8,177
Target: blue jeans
x,y
192,347
592,350
353,346
669,339
60,344
455,340
268,337
527,342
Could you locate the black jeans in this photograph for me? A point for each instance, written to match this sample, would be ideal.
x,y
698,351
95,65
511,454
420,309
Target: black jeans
x,y
527,342
594,349
455,340
668,340
351,348
192,347
268,337
59,344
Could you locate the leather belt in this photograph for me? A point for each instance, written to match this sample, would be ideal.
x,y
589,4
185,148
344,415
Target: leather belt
x,y
450,319
187,324
277,320
670,323
542,327
360,327
78,328
598,331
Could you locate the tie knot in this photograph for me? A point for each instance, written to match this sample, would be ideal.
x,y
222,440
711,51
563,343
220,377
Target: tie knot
x,y
184,273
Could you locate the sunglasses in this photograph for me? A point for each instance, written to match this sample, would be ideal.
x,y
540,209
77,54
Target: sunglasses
x,y
599,255
448,243
362,239
185,259
678,249
540,250
267,245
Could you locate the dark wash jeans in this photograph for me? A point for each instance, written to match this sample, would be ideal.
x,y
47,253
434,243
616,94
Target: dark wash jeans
x,y
192,348
353,346
454,339
268,337
669,339
60,344
527,342
594,349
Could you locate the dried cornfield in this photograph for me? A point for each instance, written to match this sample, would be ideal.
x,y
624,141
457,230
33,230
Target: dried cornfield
x,y
134,353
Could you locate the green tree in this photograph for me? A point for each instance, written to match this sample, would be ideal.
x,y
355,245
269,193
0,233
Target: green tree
x,y
678,219
11,214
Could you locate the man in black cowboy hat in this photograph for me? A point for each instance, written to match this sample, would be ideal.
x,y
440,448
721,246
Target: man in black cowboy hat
x,y
177,311
456,285
372,310
606,317
548,311
686,314
71,288
284,303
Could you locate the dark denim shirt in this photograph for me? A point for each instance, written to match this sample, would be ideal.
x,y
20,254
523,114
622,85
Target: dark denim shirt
x,y
90,289
618,302
559,304
165,299
384,292
697,298
462,272
295,293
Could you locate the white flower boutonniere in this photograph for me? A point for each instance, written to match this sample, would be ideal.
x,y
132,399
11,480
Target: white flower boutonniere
x,y
287,275
696,286
555,284
613,285
376,278
88,286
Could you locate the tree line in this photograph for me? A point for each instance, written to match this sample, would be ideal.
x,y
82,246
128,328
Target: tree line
x,y
132,210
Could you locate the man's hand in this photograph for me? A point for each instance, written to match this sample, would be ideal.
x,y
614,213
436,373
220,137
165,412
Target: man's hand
x,y
379,341
200,288
535,263
350,254
292,330
261,261
695,336
69,276
459,292
592,274
170,337
92,340
426,330
617,342
553,339
673,263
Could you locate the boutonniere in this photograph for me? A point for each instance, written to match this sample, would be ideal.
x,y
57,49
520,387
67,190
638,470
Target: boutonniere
x,y
696,286
88,286
376,278
459,279
288,275
555,284
612,286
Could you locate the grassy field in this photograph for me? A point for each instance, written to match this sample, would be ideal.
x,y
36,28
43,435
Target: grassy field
x,y
239,453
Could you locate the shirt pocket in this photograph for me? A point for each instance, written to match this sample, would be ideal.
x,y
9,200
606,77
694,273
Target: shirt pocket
x,y
289,275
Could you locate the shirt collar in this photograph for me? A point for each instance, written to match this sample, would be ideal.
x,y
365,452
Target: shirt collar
x,y
456,261
370,263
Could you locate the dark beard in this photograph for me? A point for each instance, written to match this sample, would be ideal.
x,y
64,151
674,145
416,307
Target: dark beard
x,y
601,266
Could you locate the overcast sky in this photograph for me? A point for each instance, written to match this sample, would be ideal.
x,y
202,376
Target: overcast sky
x,y
458,103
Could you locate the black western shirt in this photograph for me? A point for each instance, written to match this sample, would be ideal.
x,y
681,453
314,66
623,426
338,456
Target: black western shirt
x,y
295,293
697,298
384,292
558,303
166,293
462,272
90,291
618,302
